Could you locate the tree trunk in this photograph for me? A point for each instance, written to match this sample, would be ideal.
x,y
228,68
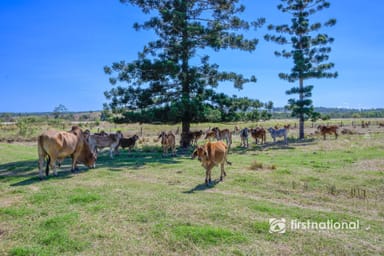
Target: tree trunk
x,y
301,116
184,77
185,140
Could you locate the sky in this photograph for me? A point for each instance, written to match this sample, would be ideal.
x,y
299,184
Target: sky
x,y
53,52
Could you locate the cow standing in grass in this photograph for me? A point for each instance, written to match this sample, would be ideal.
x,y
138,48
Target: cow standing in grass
x,y
210,155
224,134
283,132
57,145
259,133
196,135
102,141
244,137
168,141
332,129
128,142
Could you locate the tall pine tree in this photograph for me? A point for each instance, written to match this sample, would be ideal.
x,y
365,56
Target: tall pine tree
x,y
170,69
309,50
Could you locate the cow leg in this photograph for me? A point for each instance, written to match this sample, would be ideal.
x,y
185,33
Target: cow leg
x,y
210,178
41,166
52,165
74,162
111,152
222,172
206,177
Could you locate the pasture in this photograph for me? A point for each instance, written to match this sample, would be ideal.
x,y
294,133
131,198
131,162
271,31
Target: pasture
x,y
141,203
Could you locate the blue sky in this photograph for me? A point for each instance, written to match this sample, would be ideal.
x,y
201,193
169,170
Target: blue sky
x,y
53,52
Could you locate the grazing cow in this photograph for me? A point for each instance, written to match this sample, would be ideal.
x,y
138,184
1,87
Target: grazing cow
x,y
278,133
196,135
210,155
224,134
244,137
168,141
57,145
259,133
328,129
128,142
102,141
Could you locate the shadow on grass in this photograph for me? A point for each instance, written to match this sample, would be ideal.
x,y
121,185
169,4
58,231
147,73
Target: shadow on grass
x,y
60,175
133,160
202,187
279,144
29,169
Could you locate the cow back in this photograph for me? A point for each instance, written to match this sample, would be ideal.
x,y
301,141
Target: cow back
x,y
216,151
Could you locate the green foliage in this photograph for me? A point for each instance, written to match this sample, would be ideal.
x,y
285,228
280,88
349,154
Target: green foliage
x,y
24,125
220,109
170,74
59,110
206,235
309,52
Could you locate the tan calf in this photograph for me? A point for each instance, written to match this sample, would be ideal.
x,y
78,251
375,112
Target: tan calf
x,y
210,155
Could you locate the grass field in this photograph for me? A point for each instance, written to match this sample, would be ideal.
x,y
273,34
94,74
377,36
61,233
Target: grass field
x,y
143,204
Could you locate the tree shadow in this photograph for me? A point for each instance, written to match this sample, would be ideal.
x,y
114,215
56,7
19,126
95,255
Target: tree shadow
x,y
202,187
61,174
18,169
133,160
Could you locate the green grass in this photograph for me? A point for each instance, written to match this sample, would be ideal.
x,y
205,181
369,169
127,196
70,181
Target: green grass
x,y
141,203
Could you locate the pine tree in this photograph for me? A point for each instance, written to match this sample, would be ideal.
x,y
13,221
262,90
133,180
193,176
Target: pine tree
x,y
171,68
309,50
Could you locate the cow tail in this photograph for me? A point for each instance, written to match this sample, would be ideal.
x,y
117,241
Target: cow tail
x,y
229,163
47,168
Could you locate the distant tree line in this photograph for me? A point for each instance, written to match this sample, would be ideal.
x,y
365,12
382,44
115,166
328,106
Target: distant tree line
x,y
222,108
332,113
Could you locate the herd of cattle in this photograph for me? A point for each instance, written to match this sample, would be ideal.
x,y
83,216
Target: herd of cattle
x,y
83,147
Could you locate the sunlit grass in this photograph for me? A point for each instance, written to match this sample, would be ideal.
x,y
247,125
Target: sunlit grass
x,y
141,203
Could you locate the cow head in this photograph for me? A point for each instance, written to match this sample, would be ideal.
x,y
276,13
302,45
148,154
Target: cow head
x,y
201,153
87,156
163,137
135,138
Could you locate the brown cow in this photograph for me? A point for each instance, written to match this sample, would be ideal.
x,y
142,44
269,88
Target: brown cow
x,y
196,135
56,146
259,133
168,141
102,141
328,129
210,155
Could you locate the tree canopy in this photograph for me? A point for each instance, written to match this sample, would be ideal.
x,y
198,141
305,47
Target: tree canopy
x,y
308,49
172,71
